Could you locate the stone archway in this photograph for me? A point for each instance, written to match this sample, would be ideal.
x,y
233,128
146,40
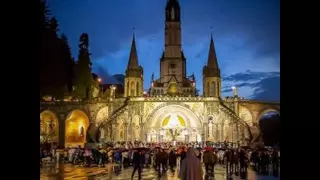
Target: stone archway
x,y
246,115
174,122
266,111
269,124
76,124
49,127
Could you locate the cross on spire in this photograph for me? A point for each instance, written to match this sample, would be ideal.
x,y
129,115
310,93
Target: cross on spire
x,y
211,29
133,58
133,30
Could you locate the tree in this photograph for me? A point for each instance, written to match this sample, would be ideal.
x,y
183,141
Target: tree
x,y
56,63
68,62
83,77
56,77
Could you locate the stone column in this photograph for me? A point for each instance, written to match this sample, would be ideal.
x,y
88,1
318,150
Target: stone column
x,y
158,137
62,130
232,131
125,133
142,134
117,132
112,129
235,132
241,134
238,132
205,130
236,105
219,132
216,133
130,133
222,132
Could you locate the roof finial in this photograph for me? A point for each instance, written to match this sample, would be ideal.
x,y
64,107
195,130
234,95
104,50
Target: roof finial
x,y
133,29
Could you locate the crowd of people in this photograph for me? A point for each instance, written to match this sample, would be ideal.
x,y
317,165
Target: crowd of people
x,y
187,158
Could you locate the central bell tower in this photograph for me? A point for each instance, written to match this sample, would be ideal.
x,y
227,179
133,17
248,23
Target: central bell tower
x,y
173,62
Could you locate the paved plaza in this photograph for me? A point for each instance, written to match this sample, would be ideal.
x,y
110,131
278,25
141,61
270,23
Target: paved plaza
x,y
71,172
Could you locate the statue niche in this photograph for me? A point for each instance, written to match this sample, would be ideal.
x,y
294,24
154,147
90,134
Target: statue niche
x,y
210,126
137,132
136,128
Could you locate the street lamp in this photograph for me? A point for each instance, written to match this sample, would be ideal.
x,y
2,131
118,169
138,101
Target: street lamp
x,y
100,80
113,91
235,91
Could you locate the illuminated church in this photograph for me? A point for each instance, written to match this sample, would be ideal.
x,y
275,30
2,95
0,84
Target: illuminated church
x,y
172,110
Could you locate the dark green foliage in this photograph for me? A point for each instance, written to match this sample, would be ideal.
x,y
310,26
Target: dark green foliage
x,y
68,62
56,62
83,80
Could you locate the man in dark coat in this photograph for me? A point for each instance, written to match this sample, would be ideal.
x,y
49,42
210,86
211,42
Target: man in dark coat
x,y
136,164
243,159
172,159
275,162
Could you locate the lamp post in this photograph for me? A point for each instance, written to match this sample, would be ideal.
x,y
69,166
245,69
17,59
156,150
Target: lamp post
x,y
235,91
113,88
100,80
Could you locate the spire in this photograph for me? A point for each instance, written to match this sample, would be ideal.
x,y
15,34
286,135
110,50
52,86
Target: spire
x,y
212,58
133,59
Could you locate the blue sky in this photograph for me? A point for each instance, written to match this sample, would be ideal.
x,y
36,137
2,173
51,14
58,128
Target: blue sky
x,y
246,35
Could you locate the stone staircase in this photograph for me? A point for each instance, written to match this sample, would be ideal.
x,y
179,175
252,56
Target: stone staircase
x,y
116,113
231,113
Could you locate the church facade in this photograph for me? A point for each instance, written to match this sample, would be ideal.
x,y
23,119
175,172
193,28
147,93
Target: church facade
x,y
170,111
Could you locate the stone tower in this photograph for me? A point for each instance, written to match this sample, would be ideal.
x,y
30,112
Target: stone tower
x,y
173,62
134,74
211,74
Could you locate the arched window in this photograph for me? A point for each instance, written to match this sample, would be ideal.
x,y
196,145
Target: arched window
x,y
213,89
137,89
132,89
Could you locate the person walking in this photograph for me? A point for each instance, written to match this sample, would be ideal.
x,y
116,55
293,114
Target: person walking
x,y
191,168
137,164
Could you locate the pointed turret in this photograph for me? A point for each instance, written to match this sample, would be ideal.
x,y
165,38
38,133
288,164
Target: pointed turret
x,y
133,58
212,57
212,67
134,73
211,74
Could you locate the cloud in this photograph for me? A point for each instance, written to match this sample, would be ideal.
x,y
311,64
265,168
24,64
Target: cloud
x,y
250,75
106,77
251,83
268,89
246,35
254,85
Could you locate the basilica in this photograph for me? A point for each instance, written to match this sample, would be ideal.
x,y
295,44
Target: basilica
x,y
171,110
